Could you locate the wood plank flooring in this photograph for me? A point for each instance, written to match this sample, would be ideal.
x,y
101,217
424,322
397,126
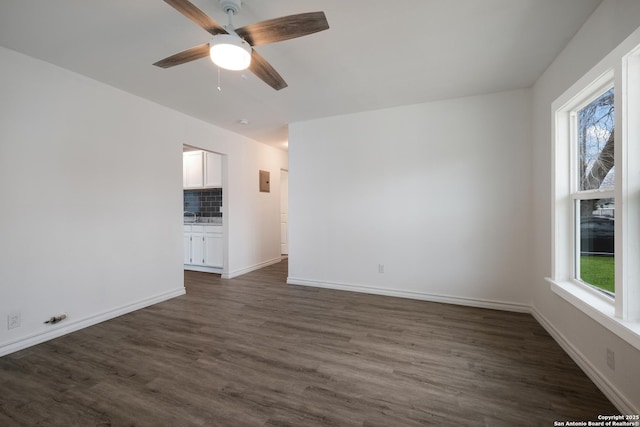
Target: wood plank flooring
x,y
254,351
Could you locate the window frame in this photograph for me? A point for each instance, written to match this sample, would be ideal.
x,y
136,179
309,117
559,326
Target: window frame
x,y
602,85
620,69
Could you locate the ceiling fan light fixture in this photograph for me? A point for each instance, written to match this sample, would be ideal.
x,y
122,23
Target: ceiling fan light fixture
x,y
230,52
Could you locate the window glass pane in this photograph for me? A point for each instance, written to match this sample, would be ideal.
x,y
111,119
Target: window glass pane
x,y
596,238
595,140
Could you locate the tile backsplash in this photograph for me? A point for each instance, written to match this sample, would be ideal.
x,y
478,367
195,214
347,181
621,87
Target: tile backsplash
x,y
204,203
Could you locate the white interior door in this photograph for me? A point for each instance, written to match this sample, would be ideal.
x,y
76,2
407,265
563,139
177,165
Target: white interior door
x,y
284,212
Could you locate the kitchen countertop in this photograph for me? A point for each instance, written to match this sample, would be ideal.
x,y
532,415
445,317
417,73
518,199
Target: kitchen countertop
x,y
205,221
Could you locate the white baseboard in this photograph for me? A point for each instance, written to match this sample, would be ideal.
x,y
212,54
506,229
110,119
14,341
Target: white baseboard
x,y
447,299
203,269
72,325
240,272
624,405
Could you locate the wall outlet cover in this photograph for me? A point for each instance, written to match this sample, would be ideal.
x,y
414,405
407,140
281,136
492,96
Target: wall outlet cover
x,y
13,320
611,359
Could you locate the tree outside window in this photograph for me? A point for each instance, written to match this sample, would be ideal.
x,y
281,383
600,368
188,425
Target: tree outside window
x,y
594,201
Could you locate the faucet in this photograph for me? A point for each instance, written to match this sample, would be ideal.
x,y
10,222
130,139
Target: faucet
x,y
195,217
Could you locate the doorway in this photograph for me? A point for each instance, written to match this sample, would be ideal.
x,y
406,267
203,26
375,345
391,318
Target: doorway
x,y
284,212
204,237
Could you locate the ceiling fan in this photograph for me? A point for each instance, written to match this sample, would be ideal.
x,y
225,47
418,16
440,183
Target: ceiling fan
x,y
239,42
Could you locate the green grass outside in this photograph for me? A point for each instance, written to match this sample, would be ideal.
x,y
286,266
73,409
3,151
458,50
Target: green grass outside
x,y
598,271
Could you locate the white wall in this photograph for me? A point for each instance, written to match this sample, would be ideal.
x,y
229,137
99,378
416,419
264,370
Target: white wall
x,y
438,193
583,338
91,199
253,217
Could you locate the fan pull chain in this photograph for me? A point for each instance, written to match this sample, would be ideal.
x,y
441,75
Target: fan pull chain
x,y
219,87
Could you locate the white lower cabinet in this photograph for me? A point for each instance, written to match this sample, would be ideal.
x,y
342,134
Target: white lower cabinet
x,y
186,242
213,252
203,245
197,248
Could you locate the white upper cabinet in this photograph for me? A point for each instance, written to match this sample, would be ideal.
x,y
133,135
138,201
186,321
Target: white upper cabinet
x,y
192,164
201,169
212,170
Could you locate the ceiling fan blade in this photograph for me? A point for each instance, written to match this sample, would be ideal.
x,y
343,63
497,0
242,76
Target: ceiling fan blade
x,y
196,15
284,28
188,55
261,68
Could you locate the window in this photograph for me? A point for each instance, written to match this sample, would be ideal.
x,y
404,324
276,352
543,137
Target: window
x,y
596,203
593,192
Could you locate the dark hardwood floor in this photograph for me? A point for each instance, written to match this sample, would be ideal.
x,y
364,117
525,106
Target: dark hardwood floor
x,y
254,351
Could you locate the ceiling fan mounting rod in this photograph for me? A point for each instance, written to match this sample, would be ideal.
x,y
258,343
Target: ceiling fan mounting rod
x,y
230,26
233,6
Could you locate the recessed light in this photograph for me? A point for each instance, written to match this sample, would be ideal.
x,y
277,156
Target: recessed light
x,y
243,122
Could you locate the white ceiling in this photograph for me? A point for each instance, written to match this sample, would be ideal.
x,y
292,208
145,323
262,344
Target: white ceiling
x,y
376,53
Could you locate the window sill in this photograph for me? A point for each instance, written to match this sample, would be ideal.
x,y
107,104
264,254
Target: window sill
x,y
599,308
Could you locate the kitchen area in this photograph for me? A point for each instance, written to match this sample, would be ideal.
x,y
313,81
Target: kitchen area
x,y
203,236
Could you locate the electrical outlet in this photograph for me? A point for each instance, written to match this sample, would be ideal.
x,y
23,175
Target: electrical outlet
x,y
380,268
611,359
13,320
